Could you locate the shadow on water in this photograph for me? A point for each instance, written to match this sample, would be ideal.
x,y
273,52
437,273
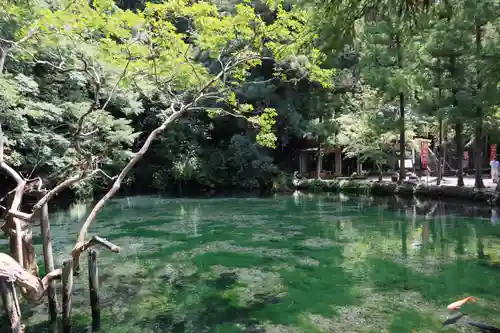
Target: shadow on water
x,y
285,264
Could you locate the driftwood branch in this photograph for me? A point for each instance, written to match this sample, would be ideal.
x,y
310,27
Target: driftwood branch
x,y
56,190
33,286
14,222
18,197
48,260
79,247
96,240
20,215
30,217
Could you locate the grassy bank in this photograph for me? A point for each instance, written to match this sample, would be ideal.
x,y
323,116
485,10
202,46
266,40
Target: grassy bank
x,y
367,187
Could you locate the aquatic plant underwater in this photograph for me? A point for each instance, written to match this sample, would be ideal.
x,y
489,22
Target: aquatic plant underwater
x,y
283,264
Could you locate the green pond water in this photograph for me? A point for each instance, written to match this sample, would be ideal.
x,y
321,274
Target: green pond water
x,y
284,264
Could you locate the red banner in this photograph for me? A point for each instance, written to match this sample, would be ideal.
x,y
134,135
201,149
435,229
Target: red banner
x,y
465,162
424,154
493,152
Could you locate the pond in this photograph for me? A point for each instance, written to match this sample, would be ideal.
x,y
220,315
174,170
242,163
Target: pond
x,y
284,264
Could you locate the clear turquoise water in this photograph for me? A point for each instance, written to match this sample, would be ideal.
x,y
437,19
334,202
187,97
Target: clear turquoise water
x,y
284,264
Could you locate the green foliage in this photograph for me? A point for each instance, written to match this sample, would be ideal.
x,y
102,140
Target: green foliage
x,y
246,75
92,69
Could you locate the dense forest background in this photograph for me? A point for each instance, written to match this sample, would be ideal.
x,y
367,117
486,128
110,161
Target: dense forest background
x,y
367,76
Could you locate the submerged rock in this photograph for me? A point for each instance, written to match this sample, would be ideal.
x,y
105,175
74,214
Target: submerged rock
x,y
308,262
252,286
280,329
318,243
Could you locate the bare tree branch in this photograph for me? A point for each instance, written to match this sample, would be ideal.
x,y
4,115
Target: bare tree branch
x,y
3,165
16,202
191,64
32,287
120,78
19,215
84,135
82,175
105,174
96,240
51,194
4,51
116,185
56,190
229,113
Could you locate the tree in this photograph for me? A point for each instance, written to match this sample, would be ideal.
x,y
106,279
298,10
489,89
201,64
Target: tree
x,y
389,56
482,14
321,126
370,132
465,94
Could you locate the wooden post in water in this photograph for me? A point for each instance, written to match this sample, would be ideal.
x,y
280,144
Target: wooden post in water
x,y
94,291
11,305
67,286
48,261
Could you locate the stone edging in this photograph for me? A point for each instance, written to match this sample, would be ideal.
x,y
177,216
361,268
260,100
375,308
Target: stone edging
x,y
487,196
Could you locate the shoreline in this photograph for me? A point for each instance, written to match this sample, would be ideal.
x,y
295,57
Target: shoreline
x,y
385,188
352,186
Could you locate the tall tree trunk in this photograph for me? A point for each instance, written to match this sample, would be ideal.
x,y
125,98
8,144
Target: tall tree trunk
x,y
441,151
445,149
458,124
441,132
413,158
3,57
380,172
319,162
402,144
478,135
478,156
460,153
394,157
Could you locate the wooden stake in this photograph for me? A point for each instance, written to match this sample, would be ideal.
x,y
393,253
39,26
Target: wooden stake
x,y
11,305
48,261
67,284
94,291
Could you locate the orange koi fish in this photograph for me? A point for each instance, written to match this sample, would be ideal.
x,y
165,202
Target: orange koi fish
x,y
456,305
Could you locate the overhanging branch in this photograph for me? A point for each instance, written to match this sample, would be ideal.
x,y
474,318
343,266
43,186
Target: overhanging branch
x,y
177,110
